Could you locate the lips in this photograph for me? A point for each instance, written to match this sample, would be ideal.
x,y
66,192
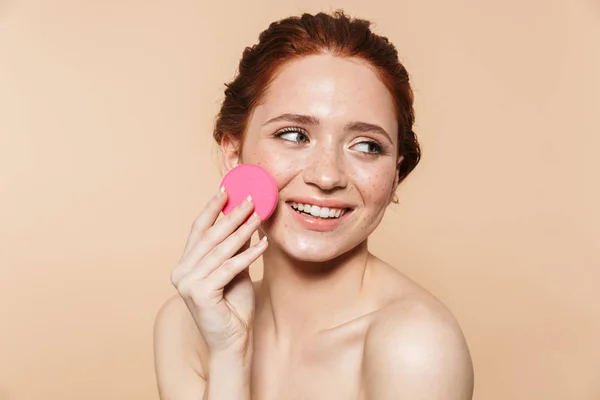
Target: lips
x,y
316,211
318,214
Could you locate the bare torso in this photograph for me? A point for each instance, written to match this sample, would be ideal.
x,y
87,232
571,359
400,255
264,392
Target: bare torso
x,y
322,369
327,365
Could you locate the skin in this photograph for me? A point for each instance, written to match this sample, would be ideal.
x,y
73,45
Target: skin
x,y
329,320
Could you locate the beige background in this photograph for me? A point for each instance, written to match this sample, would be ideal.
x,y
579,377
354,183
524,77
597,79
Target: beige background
x,y
106,157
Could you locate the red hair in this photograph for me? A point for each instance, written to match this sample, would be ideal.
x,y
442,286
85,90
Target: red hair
x,y
336,34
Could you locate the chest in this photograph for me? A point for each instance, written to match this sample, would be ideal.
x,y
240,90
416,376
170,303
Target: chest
x,y
321,371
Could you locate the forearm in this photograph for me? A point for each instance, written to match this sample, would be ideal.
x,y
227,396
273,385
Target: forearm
x,y
228,377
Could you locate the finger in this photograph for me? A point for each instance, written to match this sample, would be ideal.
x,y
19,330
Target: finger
x,y
221,230
206,218
229,247
245,246
211,238
223,275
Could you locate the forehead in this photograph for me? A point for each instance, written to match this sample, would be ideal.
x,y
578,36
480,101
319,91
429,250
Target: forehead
x,y
333,89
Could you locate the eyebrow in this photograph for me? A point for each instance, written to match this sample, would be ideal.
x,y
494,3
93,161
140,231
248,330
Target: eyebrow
x,y
295,118
356,126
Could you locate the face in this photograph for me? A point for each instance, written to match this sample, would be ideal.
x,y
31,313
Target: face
x,y
327,131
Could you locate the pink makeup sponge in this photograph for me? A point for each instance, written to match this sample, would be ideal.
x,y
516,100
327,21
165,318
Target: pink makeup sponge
x,y
250,179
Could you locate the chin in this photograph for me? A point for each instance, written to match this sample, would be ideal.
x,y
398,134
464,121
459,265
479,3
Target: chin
x,y
310,246
315,251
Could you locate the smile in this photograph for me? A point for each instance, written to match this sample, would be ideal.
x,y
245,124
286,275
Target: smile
x,y
319,212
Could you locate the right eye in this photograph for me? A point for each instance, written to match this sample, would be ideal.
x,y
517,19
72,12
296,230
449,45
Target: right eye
x,y
296,135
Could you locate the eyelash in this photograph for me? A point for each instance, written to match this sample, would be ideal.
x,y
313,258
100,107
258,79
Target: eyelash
x,y
380,150
283,131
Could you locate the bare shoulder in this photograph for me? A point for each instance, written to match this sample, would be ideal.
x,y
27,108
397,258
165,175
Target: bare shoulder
x,y
414,346
178,352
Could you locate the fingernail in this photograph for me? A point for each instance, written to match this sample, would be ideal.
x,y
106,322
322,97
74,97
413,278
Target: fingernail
x,y
255,217
222,189
249,198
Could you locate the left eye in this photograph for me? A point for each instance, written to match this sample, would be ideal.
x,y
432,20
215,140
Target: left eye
x,y
369,147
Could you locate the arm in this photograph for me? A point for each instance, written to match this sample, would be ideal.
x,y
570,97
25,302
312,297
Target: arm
x,y
202,337
229,378
417,352
179,357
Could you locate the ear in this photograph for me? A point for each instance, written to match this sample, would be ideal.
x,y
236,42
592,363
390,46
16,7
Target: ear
x,y
230,147
393,198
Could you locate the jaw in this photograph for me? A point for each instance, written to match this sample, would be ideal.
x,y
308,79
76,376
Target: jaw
x,y
309,260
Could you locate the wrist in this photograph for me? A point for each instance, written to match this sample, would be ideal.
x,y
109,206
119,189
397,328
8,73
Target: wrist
x,y
231,358
229,375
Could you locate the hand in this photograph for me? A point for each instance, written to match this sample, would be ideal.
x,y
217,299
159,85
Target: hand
x,y
212,276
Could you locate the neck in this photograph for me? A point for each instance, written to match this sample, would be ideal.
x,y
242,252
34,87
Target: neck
x,y
297,299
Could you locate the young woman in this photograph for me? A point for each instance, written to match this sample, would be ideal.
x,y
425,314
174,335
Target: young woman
x,y
324,105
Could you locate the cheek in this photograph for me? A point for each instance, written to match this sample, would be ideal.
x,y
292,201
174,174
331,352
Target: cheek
x,y
375,185
275,163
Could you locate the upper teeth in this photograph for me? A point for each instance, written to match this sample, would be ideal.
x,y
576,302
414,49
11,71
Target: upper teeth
x,y
316,211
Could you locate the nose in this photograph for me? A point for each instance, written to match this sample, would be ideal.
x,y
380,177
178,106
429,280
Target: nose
x,y
325,169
